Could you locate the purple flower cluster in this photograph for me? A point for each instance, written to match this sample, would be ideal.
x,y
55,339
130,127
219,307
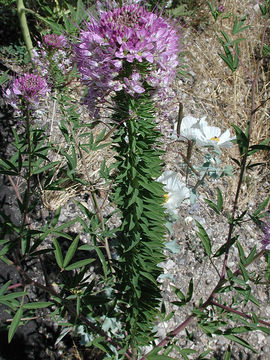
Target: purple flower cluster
x,y
221,9
53,52
112,50
26,90
53,41
266,238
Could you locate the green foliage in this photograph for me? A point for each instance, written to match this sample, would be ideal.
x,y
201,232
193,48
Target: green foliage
x,y
140,199
216,207
204,239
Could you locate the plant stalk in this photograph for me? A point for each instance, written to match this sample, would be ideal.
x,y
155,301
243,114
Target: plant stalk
x,y
24,27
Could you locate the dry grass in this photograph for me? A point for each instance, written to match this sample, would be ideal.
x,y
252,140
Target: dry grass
x,y
225,97
216,92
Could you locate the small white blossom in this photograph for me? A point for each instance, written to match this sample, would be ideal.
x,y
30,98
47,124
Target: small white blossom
x,y
189,128
198,130
176,190
211,136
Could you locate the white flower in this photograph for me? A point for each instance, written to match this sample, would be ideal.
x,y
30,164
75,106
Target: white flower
x,y
211,136
189,128
198,130
176,190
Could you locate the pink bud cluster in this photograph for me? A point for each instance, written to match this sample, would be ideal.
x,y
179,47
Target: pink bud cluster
x,y
112,51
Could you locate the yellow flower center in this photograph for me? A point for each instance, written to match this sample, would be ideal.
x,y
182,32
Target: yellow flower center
x,y
215,138
166,196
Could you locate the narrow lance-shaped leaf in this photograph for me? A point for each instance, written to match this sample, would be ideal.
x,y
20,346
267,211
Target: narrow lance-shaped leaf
x,y
58,253
204,238
4,287
262,206
240,341
37,305
219,199
190,290
79,264
228,354
71,251
15,323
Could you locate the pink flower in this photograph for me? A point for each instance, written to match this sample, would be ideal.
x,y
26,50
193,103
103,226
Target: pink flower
x,y
113,49
54,41
26,90
221,9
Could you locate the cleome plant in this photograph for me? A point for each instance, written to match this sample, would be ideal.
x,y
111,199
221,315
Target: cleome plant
x,y
105,287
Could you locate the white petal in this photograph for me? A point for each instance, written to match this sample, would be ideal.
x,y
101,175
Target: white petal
x,y
211,132
187,122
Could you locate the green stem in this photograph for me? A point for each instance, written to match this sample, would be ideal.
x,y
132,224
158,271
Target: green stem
x,y
28,180
24,27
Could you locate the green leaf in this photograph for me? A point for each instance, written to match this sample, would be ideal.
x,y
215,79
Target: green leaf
x,y
71,251
58,253
266,51
79,264
160,357
8,165
204,238
190,290
81,12
212,205
178,293
148,276
219,199
224,247
240,341
244,272
37,305
4,287
242,140
228,61
237,26
239,330
15,323
45,168
228,354
103,261
13,295
264,329
241,252
3,77
251,255
261,146
262,206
